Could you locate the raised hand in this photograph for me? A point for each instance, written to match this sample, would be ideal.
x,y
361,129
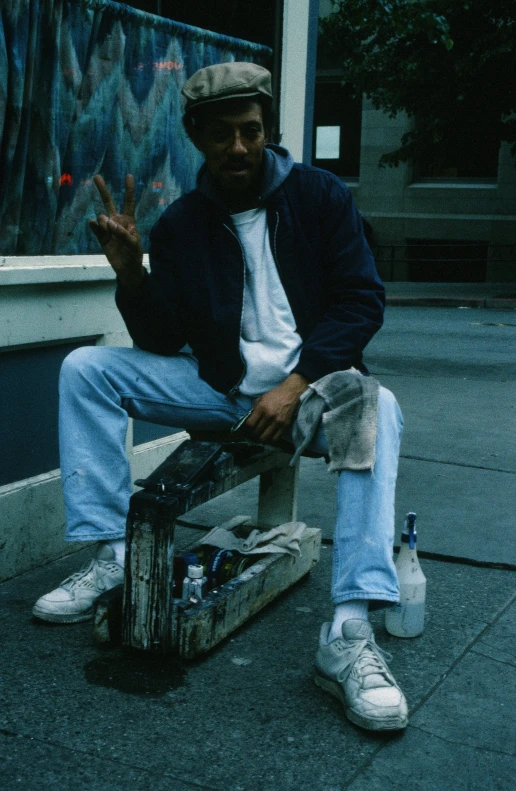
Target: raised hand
x,y
118,235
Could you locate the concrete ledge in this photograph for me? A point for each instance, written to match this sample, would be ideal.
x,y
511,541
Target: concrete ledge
x,y
30,270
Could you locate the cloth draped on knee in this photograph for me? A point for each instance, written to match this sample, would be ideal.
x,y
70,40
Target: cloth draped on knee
x,y
347,403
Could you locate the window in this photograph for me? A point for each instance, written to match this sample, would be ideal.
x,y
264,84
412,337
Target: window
x,y
337,129
471,159
447,260
237,18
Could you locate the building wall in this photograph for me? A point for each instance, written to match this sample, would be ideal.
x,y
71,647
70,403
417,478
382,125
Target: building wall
x,y
400,208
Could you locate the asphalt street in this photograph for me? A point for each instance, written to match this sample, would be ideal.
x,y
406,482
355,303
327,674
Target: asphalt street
x,y
248,717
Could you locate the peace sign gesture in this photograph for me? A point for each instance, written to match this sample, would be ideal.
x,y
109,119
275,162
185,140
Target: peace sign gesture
x,y
118,235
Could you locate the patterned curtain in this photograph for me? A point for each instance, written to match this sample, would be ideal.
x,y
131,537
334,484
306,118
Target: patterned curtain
x,y
93,86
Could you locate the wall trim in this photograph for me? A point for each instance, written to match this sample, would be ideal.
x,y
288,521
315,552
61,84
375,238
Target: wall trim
x,y
452,185
428,216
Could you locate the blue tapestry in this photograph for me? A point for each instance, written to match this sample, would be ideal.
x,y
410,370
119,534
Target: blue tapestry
x,y
93,86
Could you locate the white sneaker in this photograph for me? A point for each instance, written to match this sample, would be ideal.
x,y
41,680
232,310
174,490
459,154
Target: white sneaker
x,y
353,669
73,600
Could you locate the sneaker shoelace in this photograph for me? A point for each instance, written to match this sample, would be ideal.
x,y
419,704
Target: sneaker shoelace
x,y
80,578
87,576
368,656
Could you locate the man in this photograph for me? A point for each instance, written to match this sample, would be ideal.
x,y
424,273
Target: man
x,y
264,272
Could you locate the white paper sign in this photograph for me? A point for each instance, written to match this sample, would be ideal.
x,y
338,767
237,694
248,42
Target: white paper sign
x,y
327,142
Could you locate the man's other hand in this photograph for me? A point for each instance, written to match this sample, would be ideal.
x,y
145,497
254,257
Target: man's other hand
x,y
119,237
273,412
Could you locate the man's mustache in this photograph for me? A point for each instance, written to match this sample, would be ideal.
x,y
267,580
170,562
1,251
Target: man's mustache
x,y
237,164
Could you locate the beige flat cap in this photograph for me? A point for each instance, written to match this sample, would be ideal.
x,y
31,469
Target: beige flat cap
x,y
226,81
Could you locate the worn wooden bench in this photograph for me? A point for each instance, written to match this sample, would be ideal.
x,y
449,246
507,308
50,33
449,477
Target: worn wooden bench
x,y
151,618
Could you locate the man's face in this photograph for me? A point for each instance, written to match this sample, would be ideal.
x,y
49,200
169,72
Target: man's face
x,y
232,139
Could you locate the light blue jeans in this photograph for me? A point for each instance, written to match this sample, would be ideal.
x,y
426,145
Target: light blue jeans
x,y
101,386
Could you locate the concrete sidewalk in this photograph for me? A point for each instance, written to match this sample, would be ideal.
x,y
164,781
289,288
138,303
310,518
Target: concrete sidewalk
x,y
248,716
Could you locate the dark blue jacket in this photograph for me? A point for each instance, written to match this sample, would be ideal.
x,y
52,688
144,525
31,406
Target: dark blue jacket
x,y
194,293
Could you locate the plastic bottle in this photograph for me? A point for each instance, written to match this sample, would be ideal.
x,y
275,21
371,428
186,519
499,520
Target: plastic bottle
x,y
407,618
194,584
181,563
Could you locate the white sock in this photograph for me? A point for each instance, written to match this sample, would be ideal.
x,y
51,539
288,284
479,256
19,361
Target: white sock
x,y
118,547
356,608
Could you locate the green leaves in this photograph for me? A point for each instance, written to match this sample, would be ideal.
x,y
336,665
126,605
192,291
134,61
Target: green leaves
x,y
451,65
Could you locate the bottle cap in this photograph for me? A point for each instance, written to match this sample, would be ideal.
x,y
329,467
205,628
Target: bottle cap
x,y
190,559
195,572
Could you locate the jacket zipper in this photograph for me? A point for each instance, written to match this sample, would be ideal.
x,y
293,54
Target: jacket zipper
x,y
275,251
234,389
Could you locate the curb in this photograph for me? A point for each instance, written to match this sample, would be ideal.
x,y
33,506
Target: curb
x,y
500,303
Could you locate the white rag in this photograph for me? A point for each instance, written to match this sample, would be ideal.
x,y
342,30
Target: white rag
x,y
347,404
283,539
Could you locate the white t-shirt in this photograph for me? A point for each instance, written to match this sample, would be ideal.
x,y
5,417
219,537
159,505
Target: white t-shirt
x,y
269,342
